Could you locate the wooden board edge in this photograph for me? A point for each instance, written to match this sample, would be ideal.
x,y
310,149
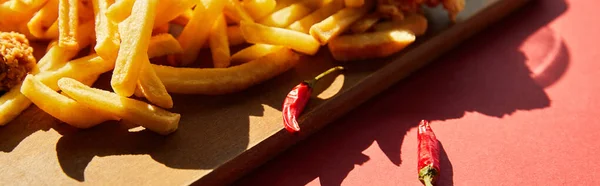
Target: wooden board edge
x,y
374,84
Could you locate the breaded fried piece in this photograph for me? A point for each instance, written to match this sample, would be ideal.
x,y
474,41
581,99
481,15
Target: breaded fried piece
x,y
16,59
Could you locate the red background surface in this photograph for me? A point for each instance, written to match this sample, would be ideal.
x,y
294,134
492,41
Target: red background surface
x,y
515,105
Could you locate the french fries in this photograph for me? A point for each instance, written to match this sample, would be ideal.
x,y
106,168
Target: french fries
x,y
57,56
43,19
286,16
79,69
196,32
226,80
68,21
61,107
370,45
12,103
135,39
125,34
234,36
236,12
258,9
219,46
152,88
415,23
170,9
107,31
253,52
304,24
338,23
146,115
120,10
260,34
163,44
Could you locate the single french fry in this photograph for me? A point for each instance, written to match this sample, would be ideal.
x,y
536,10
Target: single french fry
x,y
86,11
183,18
219,44
131,110
354,3
138,92
57,56
338,23
195,33
107,31
259,8
234,35
12,103
79,69
120,10
61,107
152,88
12,17
27,5
286,16
301,42
163,44
68,21
365,23
214,81
235,11
370,45
135,39
304,24
43,19
253,52
52,32
415,23
169,10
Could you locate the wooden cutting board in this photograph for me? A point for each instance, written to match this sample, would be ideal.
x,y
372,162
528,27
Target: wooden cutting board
x,y
220,137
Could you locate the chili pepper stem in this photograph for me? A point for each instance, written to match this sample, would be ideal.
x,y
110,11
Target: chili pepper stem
x,y
427,180
312,82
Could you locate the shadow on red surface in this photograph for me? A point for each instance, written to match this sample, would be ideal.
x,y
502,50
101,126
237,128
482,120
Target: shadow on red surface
x,y
468,79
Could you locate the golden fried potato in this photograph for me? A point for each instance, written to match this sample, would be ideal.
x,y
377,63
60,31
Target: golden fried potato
x,y
131,110
260,34
219,44
152,88
304,24
135,39
286,16
61,107
338,23
253,52
120,10
370,45
215,81
43,19
258,9
163,44
79,69
68,21
235,12
107,31
195,33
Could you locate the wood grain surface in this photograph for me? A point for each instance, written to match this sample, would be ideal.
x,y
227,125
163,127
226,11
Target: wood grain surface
x,y
220,137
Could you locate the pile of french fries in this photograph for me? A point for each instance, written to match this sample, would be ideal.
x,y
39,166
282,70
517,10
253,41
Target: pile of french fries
x,y
90,37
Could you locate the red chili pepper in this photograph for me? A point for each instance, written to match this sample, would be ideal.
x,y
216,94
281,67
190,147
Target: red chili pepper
x,y
294,102
429,154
